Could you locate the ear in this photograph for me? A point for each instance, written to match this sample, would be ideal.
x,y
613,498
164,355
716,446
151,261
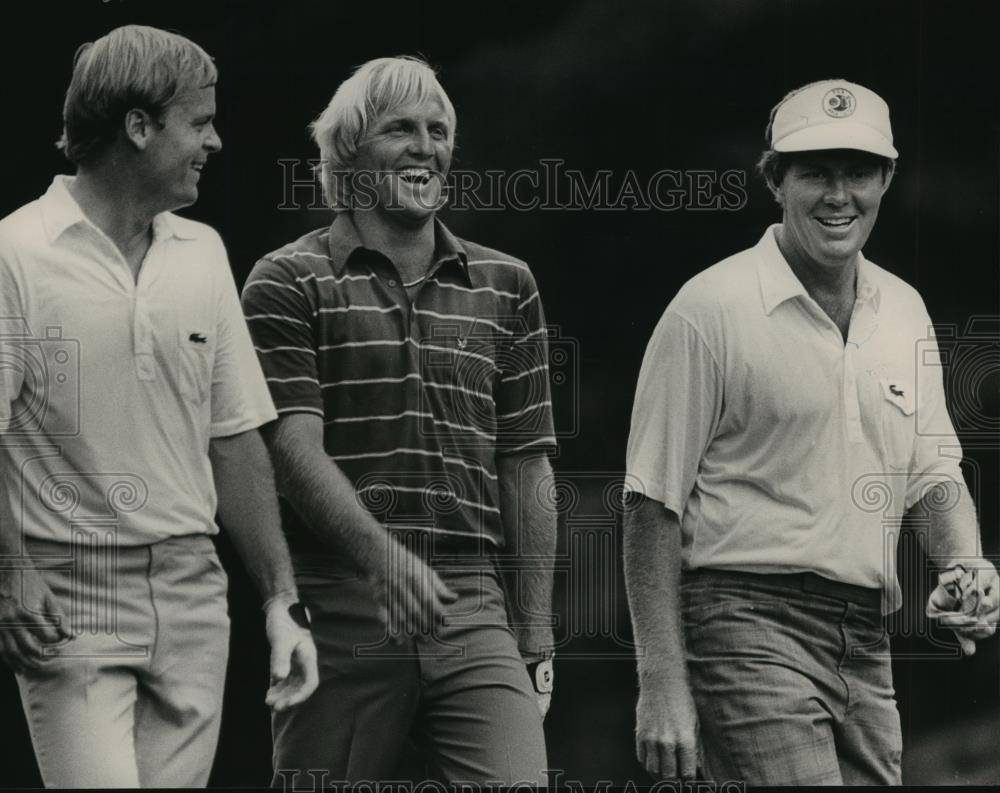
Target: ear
x,y
887,179
139,127
776,191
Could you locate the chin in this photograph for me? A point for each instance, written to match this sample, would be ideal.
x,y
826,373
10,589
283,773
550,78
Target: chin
x,y
187,198
837,257
412,212
413,219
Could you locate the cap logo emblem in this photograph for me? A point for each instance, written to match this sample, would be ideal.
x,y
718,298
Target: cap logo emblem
x,y
839,102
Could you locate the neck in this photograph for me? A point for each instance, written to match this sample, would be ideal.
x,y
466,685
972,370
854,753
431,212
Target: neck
x,y
820,281
411,249
114,204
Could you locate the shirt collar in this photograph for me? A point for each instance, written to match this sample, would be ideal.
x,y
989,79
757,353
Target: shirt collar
x,y
167,224
345,242
60,211
778,283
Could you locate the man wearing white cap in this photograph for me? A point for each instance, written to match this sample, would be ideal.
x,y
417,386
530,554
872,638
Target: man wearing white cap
x,y
789,411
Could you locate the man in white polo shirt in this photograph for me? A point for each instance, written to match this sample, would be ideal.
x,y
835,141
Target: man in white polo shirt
x,y
789,411
130,397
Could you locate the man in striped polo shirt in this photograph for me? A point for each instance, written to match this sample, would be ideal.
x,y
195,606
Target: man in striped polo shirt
x,y
409,372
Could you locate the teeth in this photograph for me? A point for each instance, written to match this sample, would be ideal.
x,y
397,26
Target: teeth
x,y
415,175
835,221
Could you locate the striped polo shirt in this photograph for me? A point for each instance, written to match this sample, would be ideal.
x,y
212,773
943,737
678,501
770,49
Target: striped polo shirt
x,y
418,395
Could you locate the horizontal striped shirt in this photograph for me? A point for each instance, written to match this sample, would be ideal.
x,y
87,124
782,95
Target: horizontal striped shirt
x,y
418,396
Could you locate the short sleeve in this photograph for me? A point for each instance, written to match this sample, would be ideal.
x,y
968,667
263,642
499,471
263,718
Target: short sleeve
x,y
937,452
240,400
280,317
523,396
12,328
678,403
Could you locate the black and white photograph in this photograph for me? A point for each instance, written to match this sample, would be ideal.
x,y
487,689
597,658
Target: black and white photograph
x,y
453,396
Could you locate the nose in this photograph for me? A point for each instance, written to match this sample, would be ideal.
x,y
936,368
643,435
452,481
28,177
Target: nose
x,y
836,190
420,142
213,142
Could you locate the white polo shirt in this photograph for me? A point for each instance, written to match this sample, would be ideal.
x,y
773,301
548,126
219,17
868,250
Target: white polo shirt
x,y
110,390
782,448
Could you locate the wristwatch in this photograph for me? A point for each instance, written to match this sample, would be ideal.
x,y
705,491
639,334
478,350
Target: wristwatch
x,y
542,676
300,615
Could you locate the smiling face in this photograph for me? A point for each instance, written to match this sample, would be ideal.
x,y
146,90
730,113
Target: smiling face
x,y
177,148
830,201
402,163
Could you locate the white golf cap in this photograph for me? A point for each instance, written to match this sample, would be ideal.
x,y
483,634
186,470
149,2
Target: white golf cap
x,y
833,114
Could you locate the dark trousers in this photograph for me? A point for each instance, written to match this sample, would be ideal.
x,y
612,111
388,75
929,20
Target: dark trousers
x,y
792,680
460,693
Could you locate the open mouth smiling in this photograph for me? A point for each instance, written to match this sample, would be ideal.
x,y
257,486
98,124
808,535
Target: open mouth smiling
x,y
417,176
837,222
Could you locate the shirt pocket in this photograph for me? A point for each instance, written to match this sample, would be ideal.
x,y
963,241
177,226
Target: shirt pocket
x,y
196,347
898,421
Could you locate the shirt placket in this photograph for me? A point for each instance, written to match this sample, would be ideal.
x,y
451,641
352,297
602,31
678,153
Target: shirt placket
x,y
392,284
142,323
852,403
861,328
846,353
142,338
142,326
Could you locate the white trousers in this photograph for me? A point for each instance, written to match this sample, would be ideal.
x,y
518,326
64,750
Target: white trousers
x,y
135,698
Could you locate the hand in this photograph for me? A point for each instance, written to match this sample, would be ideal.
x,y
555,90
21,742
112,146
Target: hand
x,y
294,675
411,596
966,601
30,619
666,734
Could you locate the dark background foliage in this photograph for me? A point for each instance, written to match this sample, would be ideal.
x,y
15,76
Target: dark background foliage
x,y
633,87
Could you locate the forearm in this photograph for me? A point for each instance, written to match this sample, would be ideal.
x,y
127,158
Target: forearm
x,y
951,524
652,551
326,500
248,508
530,532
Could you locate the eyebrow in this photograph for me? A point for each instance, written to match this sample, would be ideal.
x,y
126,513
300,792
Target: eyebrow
x,y
391,117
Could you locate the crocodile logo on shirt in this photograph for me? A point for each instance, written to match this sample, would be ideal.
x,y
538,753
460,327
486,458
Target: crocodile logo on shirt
x,y
895,391
198,338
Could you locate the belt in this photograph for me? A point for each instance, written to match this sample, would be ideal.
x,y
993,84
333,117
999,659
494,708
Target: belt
x,y
799,582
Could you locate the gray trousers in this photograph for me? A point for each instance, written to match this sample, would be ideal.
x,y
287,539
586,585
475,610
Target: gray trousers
x,y
460,692
792,680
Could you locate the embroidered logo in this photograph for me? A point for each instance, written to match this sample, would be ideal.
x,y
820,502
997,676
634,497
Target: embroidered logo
x,y
839,102
895,391
198,338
